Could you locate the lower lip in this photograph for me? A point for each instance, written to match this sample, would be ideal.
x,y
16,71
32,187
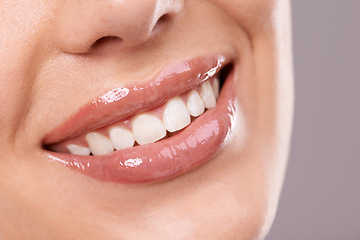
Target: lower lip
x,y
168,158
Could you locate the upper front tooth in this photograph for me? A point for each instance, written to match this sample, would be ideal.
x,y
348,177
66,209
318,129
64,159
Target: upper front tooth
x,y
121,138
147,128
215,87
194,104
176,115
78,150
99,144
207,95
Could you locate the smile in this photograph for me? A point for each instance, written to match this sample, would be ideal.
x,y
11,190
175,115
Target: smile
x,y
154,130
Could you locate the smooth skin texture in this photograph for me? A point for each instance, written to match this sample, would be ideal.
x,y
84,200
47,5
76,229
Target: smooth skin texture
x,y
57,55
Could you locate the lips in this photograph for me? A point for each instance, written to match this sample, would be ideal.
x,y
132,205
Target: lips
x,y
137,106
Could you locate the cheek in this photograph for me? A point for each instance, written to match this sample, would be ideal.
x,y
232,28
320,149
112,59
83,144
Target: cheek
x,y
14,89
18,52
253,15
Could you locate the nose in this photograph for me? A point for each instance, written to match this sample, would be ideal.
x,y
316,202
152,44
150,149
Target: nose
x,y
79,24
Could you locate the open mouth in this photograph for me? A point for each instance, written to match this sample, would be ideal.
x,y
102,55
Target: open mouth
x,y
160,129
146,127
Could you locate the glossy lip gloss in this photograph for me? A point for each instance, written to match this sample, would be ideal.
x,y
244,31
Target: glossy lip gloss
x,y
167,158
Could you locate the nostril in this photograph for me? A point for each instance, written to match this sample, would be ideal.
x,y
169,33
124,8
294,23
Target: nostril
x,y
163,18
162,21
105,41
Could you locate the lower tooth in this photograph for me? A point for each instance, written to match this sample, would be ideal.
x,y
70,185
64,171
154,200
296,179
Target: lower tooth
x,y
78,150
99,144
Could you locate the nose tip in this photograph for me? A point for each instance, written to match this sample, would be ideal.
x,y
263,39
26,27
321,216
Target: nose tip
x,y
82,24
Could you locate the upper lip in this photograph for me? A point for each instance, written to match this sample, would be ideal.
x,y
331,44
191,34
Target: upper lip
x,y
129,99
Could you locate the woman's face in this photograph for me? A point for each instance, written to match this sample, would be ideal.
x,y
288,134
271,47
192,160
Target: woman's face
x,y
77,76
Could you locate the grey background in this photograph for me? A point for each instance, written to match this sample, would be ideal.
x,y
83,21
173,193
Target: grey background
x,y
321,194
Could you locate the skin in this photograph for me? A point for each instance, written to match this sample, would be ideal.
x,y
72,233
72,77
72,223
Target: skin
x,y
52,63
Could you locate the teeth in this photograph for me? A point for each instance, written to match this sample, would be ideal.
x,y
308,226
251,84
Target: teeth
x,y
99,144
121,138
207,95
176,115
215,87
78,150
147,128
194,104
